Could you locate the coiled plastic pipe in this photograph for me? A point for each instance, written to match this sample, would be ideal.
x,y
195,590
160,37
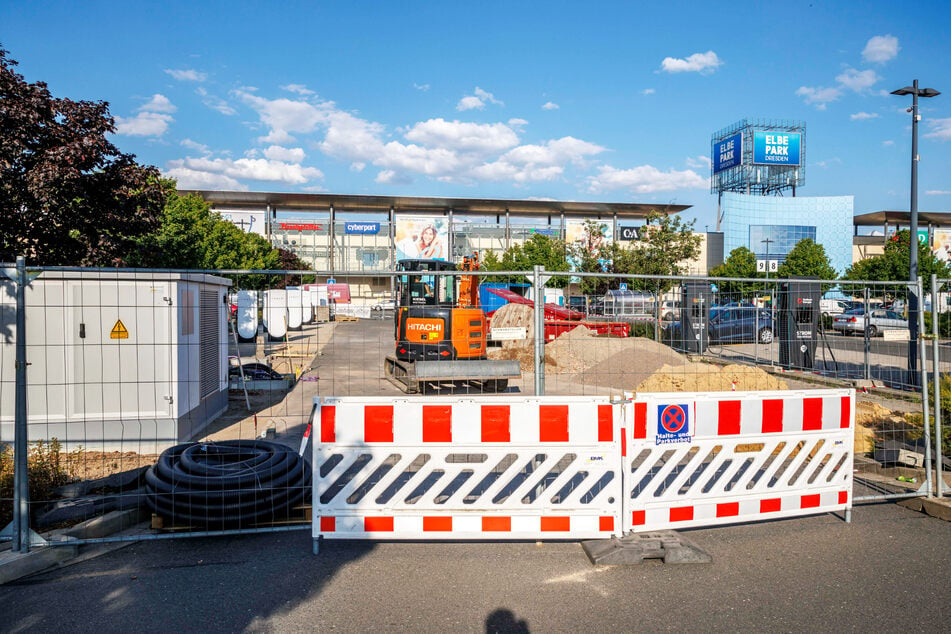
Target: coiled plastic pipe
x,y
227,484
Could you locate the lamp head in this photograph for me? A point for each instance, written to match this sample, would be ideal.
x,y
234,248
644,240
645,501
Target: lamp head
x,y
907,90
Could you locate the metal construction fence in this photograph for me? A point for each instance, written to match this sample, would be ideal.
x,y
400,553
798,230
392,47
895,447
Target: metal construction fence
x,y
126,391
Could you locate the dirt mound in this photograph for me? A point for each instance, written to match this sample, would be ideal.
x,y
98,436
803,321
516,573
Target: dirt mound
x,y
630,364
870,414
703,377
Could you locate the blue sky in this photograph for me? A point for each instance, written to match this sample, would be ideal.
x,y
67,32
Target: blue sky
x,y
592,101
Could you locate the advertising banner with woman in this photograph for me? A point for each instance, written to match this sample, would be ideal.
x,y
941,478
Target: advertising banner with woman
x,y
422,237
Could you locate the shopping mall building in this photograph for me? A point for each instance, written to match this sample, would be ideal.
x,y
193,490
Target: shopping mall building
x,y
338,234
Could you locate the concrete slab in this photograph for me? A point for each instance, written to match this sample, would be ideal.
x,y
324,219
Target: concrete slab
x,y
15,566
669,546
935,507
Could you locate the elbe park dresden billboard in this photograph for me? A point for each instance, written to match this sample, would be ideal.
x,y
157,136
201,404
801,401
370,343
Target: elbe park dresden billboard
x,y
769,148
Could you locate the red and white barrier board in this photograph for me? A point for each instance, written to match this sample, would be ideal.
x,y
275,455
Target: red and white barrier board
x,y
724,457
504,467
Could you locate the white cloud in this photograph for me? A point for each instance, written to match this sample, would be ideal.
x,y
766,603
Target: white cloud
x,y
248,169
186,178
187,75
938,192
549,105
158,103
300,89
470,103
645,179
880,49
215,103
278,153
862,116
832,161
857,80
422,87
698,162
143,124
860,81
463,136
445,150
286,116
390,177
939,129
887,143
477,100
648,91
704,63
194,145
819,96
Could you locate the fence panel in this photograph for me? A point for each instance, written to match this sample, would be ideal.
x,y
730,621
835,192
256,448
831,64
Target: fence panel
x,y
504,467
706,459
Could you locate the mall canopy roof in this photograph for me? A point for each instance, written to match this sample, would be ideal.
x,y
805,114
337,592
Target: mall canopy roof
x,y
899,218
481,206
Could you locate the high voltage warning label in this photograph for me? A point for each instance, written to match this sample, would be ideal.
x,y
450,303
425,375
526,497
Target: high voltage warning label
x,y
119,331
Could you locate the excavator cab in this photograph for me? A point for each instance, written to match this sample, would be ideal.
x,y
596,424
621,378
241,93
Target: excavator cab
x,y
442,337
429,323
416,288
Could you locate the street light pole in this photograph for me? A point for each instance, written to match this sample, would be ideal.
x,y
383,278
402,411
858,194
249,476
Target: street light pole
x,y
767,242
915,92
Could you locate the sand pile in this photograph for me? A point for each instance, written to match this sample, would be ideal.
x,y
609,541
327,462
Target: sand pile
x,y
703,377
872,414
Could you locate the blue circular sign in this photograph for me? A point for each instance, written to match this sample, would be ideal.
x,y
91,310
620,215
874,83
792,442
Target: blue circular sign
x,y
673,419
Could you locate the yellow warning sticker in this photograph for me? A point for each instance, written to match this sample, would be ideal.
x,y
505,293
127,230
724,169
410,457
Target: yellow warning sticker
x,y
119,331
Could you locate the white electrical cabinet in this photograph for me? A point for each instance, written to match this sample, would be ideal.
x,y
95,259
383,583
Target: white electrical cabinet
x,y
126,361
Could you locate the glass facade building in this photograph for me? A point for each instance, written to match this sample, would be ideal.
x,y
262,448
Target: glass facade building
x,y
748,220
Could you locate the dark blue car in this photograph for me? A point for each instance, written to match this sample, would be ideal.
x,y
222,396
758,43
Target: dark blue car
x,y
741,324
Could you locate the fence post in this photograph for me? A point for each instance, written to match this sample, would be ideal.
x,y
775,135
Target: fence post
x,y
21,489
936,373
923,382
867,344
539,330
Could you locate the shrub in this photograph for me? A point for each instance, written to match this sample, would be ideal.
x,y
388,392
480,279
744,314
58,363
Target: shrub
x,y
642,329
46,472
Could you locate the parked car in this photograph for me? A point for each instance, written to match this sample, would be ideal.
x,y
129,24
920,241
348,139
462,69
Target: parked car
x,y
256,372
669,310
741,324
386,304
731,324
879,319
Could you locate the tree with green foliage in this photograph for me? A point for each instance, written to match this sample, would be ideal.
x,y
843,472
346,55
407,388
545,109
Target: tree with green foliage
x,y
807,259
892,265
666,245
537,250
191,236
741,263
67,195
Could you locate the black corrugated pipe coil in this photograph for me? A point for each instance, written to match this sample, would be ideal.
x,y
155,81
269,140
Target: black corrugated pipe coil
x,y
227,484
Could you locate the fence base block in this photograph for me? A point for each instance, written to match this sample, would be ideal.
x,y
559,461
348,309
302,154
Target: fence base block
x,y
669,546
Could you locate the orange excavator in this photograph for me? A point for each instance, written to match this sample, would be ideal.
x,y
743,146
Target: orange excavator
x,y
441,332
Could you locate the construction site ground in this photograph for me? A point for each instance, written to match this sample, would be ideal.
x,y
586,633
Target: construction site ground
x,y
345,358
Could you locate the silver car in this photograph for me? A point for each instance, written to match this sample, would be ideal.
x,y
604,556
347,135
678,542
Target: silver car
x,y
879,319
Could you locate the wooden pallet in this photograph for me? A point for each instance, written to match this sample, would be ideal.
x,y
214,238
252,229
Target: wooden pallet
x,y
345,318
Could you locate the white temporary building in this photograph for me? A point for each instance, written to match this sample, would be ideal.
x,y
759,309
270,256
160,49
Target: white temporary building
x,y
128,361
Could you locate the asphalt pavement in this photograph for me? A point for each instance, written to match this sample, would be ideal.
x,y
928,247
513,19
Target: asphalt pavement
x,y
886,571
